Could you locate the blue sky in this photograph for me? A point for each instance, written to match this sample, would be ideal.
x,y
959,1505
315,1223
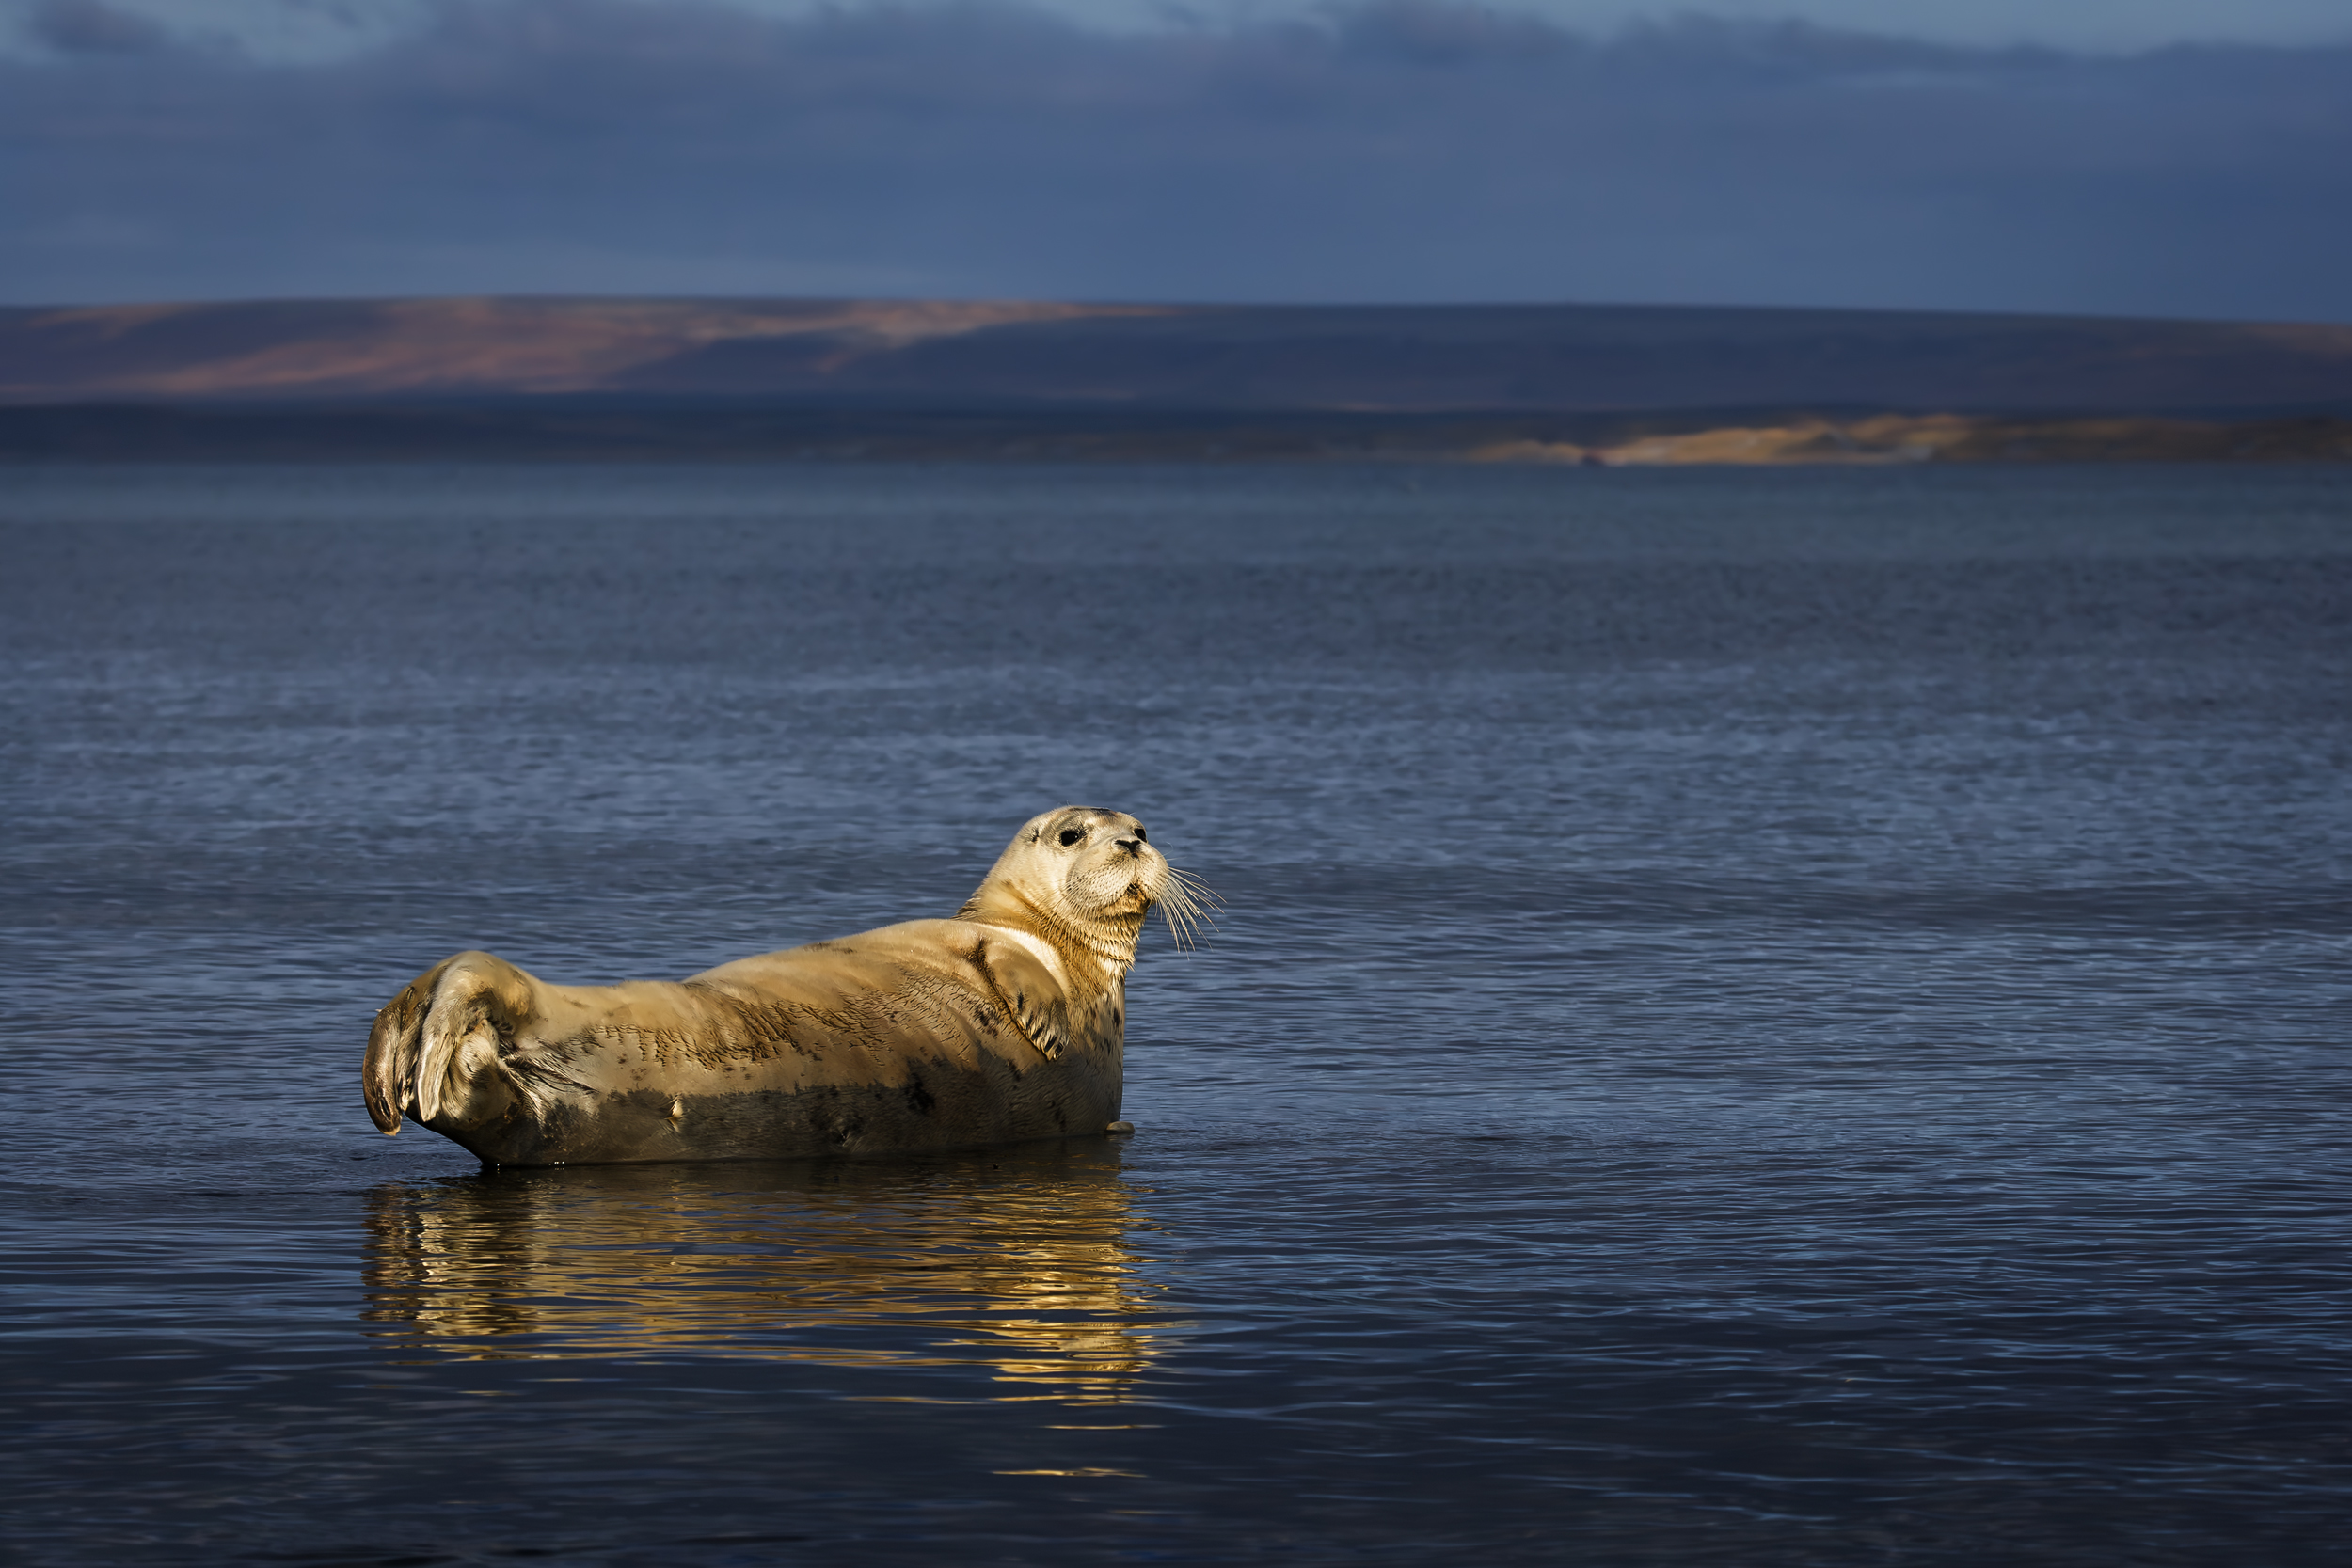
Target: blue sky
x,y
2166,157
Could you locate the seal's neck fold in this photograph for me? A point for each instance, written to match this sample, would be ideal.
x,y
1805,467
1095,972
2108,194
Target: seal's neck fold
x,y
1098,943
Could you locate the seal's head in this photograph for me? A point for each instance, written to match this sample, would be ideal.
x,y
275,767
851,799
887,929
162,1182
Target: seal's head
x,y
1083,878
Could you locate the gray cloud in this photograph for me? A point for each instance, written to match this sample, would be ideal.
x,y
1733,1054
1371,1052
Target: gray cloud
x,y
1402,151
91,26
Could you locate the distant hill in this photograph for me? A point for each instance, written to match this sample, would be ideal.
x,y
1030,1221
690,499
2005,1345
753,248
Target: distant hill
x,y
1294,359
559,378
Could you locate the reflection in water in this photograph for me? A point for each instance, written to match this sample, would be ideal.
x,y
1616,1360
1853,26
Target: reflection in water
x,y
1013,1261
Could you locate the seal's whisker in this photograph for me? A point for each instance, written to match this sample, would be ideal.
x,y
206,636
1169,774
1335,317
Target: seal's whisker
x,y
1195,888
1198,902
1185,903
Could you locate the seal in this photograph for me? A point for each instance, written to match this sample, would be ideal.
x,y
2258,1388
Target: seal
x,y
1005,1022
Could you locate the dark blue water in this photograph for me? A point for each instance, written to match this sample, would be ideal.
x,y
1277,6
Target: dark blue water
x,y
1761,1018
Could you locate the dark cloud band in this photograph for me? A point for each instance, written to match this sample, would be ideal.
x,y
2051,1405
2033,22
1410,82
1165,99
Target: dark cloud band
x,y
1396,151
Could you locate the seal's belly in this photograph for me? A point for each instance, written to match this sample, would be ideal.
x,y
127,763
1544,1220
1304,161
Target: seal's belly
x,y
930,1105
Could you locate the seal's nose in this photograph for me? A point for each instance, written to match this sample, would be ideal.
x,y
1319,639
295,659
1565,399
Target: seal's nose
x,y
1133,846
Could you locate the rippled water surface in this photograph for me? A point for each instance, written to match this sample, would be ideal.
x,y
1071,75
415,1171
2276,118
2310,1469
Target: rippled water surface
x,y
1773,1018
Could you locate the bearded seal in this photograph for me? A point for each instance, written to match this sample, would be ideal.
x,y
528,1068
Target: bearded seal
x,y
1006,1022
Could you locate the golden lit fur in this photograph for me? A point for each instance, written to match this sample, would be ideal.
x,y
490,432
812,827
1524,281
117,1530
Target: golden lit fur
x,y
1005,1022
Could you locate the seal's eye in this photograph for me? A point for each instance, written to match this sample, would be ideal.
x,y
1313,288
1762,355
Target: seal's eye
x,y
1140,835
1072,835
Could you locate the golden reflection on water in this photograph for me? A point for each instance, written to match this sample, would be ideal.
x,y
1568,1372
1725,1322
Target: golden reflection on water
x,y
1012,1260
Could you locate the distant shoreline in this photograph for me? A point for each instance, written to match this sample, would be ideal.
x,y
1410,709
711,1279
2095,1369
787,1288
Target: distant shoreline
x,y
902,380
531,431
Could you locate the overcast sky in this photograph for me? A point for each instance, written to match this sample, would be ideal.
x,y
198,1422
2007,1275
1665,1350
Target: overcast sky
x,y
321,28
1882,154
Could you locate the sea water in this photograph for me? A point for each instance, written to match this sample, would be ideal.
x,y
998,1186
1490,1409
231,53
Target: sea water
x,y
1759,1018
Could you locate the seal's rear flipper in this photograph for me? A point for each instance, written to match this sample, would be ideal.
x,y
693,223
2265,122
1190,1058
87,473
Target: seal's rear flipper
x,y
392,1049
